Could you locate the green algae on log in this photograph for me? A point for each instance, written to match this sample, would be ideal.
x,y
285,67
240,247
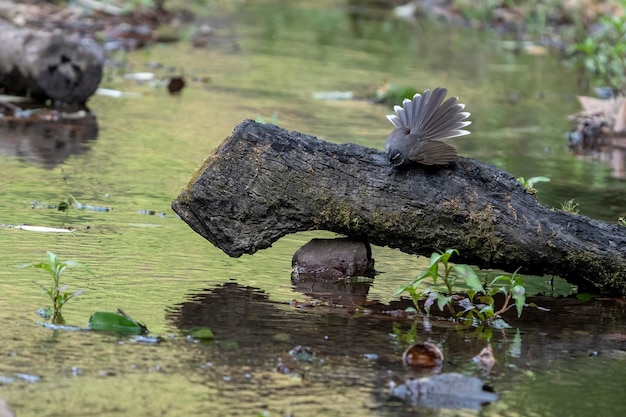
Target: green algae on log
x,y
264,182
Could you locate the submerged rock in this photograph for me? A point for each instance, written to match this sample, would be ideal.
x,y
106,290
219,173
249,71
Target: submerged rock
x,y
451,390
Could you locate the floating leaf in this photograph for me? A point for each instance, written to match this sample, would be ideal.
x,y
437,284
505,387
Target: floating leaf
x,y
201,333
586,296
105,321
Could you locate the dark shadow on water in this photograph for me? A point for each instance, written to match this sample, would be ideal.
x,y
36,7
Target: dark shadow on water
x,y
247,315
47,142
357,351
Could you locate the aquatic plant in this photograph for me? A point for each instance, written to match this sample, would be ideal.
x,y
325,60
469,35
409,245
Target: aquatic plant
x,y
55,291
478,305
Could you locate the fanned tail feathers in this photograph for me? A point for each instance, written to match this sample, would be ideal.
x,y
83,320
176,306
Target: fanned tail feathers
x,y
429,117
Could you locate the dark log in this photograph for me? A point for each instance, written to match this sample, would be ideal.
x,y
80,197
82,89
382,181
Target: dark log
x,y
47,66
264,182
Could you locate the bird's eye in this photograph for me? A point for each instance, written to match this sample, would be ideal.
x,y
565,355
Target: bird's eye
x,y
395,156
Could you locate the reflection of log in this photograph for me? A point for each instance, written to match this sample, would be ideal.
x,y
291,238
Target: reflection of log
x,y
48,142
47,66
264,182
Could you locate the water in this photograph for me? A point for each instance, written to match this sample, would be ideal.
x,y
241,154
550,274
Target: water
x,y
162,273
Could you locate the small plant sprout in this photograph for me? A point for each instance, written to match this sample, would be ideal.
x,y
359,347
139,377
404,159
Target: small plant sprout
x,y
570,206
622,221
439,269
55,291
273,120
530,182
479,304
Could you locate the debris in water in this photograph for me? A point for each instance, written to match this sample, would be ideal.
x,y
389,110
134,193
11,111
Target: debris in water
x,y
425,355
485,359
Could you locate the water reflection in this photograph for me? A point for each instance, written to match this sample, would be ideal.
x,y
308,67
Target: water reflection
x,y
611,151
345,292
354,353
246,315
47,142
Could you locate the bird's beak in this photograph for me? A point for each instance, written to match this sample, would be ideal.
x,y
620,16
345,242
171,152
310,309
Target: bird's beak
x,y
395,160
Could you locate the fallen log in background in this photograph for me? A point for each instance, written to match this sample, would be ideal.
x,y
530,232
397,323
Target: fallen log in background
x,y
264,182
47,66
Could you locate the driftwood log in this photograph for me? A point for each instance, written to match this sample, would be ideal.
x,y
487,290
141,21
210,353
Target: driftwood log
x,y
265,182
47,66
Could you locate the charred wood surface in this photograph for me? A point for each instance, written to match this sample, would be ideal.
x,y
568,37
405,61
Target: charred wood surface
x,y
47,66
264,182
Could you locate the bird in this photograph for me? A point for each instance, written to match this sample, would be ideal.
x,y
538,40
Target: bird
x,y
420,123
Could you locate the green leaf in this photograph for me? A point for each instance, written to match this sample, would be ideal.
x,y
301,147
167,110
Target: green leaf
x,y
486,299
470,277
202,333
534,180
401,290
442,300
445,257
105,321
519,295
499,278
52,259
433,270
487,311
586,296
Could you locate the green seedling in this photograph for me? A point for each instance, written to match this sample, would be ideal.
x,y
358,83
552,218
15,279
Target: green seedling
x,y
570,206
57,293
530,182
436,284
273,120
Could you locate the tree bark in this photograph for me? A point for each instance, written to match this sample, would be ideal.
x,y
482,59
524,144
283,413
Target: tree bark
x,y
264,182
47,66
